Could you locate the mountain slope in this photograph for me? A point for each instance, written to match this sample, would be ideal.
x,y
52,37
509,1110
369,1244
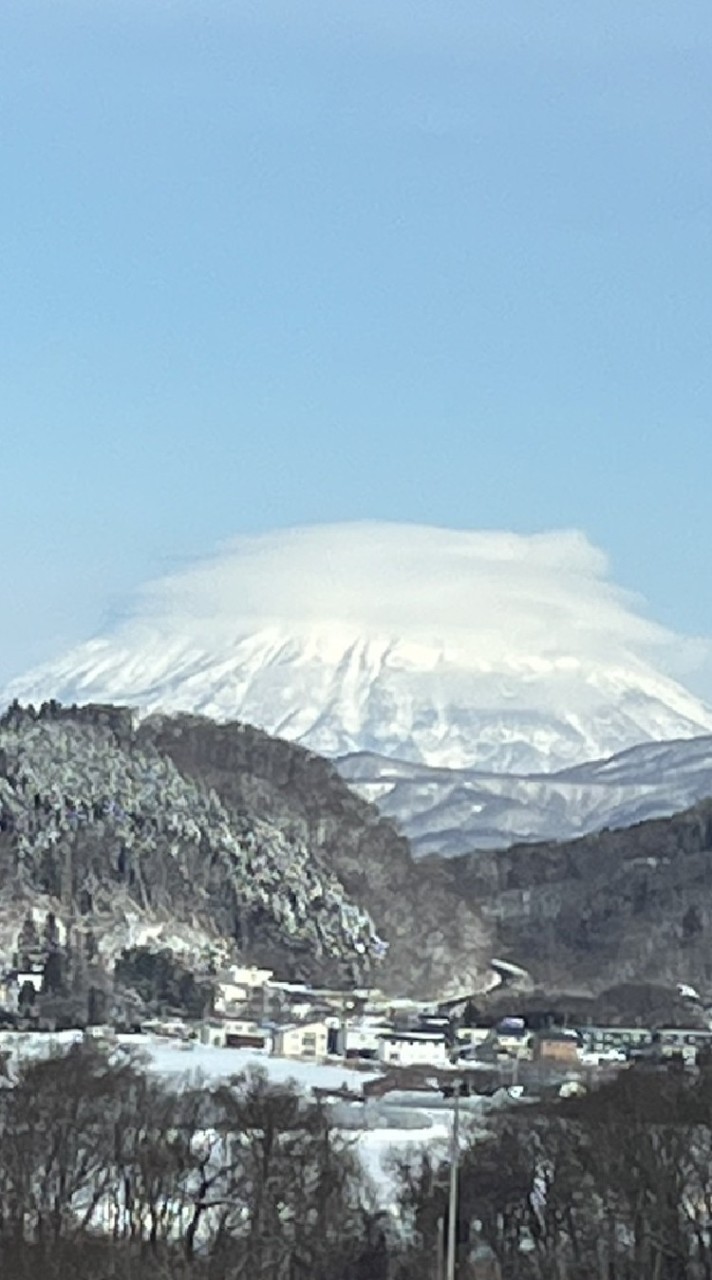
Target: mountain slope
x,y
182,827
630,905
453,649
97,821
337,691
435,942
449,811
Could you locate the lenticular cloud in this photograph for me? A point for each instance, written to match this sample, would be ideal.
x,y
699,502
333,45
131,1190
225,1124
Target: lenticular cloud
x,y
446,647
510,593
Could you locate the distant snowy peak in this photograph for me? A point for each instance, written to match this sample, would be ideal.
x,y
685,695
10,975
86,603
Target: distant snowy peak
x,y
417,698
445,647
453,811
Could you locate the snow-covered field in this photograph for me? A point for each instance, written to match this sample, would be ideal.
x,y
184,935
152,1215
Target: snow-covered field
x,y
192,1063
188,1063
376,1146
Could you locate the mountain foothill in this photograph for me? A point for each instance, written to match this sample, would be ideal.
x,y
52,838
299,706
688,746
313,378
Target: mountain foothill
x,y
217,840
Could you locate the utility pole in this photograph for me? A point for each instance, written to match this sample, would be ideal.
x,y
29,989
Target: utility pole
x,y
454,1182
346,1008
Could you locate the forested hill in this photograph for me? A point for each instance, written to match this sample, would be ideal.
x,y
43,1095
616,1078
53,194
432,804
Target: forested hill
x,y
214,837
634,904
437,943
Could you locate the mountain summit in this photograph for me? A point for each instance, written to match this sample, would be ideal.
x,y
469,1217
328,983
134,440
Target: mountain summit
x,y
450,648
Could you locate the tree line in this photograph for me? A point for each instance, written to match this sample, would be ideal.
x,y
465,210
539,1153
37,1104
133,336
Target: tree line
x,y
108,1173
616,1185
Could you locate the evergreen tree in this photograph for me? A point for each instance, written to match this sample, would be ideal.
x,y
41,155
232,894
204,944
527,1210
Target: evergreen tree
x,y
26,999
54,974
51,932
29,948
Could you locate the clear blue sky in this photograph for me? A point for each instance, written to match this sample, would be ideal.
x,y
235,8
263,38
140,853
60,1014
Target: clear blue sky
x,y
278,262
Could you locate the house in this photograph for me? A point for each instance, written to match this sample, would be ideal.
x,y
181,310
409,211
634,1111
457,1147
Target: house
x,y
472,1037
401,1008
34,977
512,1038
250,976
170,1028
290,990
213,1033
680,1042
398,1080
228,994
236,1033
557,1044
238,984
307,1039
245,1033
435,1022
596,1040
358,1039
410,1048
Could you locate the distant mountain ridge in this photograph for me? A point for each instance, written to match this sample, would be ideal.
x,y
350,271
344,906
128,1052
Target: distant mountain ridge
x,y
450,811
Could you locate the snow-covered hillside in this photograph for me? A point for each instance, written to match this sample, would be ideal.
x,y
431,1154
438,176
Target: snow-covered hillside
x,y
94,822
451,811
452,649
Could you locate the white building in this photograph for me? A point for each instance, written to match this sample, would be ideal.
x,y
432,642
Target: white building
x,y
412,1048
34,977
511,1038
250,976
302,1040
235,986
228,994
360,1039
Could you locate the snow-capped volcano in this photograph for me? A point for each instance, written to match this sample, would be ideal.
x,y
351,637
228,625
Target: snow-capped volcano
x,y
491,650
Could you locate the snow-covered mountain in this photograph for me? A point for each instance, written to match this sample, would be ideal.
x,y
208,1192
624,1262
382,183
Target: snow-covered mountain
x,y
337,692
450,811
446,648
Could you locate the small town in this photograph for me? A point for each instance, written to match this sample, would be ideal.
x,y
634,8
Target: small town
x,y
398,1044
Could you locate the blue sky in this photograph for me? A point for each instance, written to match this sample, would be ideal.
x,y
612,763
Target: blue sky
x,y
267,264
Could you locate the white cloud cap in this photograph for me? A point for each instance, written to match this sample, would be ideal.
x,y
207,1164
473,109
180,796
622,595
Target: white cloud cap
x,y
507,594
455,648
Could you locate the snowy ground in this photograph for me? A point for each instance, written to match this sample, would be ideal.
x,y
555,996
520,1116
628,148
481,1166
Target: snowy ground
x,y
191,1063
378,1149
376,1146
